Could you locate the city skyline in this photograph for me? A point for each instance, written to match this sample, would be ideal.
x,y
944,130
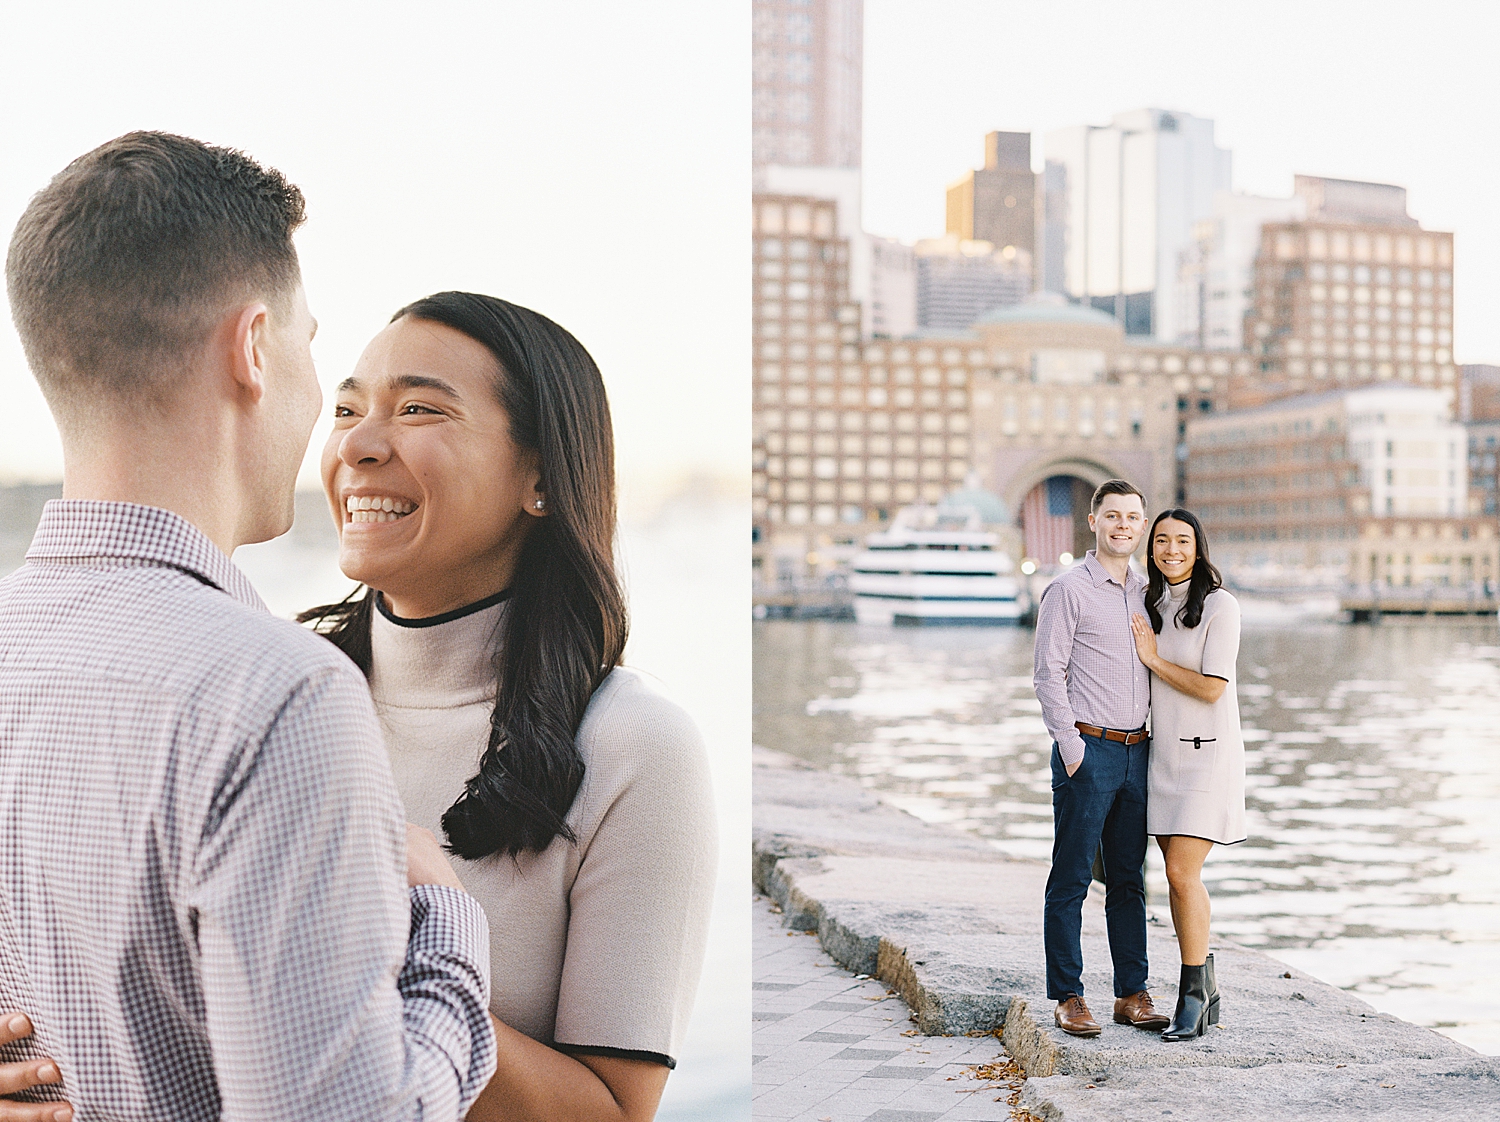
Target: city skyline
x,y
933,90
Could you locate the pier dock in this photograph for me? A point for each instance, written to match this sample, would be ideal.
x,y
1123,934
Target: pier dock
x,y
1366,604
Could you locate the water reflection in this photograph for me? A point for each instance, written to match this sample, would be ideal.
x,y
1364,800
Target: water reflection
x,y
1373,792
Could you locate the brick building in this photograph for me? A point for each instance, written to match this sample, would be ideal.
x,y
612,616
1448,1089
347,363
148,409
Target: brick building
x,y
847,431
1356,293
1290,485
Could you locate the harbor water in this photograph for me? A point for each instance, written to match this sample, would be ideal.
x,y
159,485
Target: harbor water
x,y
1373,786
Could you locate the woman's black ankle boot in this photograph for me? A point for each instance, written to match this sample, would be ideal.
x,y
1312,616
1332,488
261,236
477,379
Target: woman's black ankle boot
x,y
1191,1017
1212,984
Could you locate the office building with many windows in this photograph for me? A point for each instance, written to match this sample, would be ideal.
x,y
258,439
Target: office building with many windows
x,y
1356,293
997,203
957,282
807,70
1289,486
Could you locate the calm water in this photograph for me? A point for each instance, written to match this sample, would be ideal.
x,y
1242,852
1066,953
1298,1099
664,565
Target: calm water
x,y
683,607
1373,793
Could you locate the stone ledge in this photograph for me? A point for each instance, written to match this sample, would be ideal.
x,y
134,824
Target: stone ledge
x,y
955,929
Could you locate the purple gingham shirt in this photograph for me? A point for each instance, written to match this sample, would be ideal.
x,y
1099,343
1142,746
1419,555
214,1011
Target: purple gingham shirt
x,y
1086,668
203,902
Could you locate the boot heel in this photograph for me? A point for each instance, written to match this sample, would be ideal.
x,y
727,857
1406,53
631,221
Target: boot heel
x,y
1213,1010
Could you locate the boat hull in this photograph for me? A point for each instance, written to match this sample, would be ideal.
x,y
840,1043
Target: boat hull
x,y
892,611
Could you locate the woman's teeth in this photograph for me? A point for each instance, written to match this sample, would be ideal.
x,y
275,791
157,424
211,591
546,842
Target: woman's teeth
x,y
377,508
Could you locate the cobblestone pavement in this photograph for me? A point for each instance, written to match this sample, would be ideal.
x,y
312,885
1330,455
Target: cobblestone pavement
x,y
829,1046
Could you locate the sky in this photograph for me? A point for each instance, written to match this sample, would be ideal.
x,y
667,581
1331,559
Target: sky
x,y
1394,93
587,159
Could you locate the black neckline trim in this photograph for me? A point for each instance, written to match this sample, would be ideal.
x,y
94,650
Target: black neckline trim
x,y
445,617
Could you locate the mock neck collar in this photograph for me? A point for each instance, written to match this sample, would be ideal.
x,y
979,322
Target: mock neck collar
x,y
441,662
74,530
442,617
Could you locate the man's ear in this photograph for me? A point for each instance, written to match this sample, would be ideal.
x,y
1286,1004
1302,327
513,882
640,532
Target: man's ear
x,y
1092,528
249,352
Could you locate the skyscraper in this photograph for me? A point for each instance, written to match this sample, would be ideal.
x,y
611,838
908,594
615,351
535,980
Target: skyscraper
x,y
959,281
997,203
808,71
1121,204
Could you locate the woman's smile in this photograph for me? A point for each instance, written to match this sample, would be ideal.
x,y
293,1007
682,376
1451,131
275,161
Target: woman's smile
x,y
375,508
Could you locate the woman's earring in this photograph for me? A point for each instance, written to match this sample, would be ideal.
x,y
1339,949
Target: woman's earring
x,y
540,504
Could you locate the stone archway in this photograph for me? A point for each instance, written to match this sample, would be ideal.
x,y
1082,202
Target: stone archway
x,y
1020,483
1051,497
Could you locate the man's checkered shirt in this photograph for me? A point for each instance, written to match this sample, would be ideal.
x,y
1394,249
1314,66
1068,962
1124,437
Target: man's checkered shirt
x,y
1085,665
203,901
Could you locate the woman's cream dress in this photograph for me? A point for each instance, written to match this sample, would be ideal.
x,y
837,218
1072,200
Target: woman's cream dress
x,y
1196,784
595,946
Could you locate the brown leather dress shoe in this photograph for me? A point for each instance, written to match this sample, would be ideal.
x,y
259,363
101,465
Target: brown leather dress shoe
x,y
1074,1018
1137,1010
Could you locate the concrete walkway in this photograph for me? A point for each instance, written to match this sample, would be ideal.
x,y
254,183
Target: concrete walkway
x,y
956,928
829,1046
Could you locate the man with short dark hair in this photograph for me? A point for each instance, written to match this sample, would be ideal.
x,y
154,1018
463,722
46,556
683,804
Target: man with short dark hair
x,y
202,903
1095,697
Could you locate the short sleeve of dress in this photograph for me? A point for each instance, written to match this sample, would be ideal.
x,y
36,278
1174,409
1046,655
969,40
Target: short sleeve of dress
x,y
1221,646
639,907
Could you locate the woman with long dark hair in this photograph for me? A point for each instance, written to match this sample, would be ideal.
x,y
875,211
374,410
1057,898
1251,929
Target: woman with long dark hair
x,y
1196,781
471,473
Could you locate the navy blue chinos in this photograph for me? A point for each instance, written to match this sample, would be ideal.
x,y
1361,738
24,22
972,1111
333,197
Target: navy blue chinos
x,y
1102,804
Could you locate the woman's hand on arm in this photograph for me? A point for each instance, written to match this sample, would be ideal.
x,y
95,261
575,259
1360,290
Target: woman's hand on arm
x,y
1180,678
27,1073
1145,640
535,1083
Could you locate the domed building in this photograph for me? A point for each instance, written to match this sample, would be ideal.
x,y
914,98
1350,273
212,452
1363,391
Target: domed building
x,y
1038,402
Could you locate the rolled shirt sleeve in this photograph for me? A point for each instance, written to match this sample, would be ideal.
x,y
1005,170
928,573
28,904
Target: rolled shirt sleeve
x,y
1056,620
329,993
1221,646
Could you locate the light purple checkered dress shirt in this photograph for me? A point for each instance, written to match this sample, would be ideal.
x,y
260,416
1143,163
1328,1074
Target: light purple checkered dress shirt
x,y
1086,668
203,902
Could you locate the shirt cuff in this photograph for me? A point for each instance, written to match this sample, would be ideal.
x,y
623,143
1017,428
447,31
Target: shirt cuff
x,y
445,986
1070,748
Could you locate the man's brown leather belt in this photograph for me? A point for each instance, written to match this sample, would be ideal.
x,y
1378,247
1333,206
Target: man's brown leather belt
x,y
1133,737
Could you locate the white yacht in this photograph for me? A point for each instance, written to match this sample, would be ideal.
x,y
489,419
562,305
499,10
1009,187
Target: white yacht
x,y
937,566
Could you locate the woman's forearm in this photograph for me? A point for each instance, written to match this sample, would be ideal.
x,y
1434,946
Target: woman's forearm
x,y
1190,682
535,1083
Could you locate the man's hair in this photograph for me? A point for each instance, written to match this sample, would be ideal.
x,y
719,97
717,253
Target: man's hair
x,y
120,267
1114,487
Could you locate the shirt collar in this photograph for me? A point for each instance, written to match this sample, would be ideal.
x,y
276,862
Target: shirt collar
x,y
1099,574
77,529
